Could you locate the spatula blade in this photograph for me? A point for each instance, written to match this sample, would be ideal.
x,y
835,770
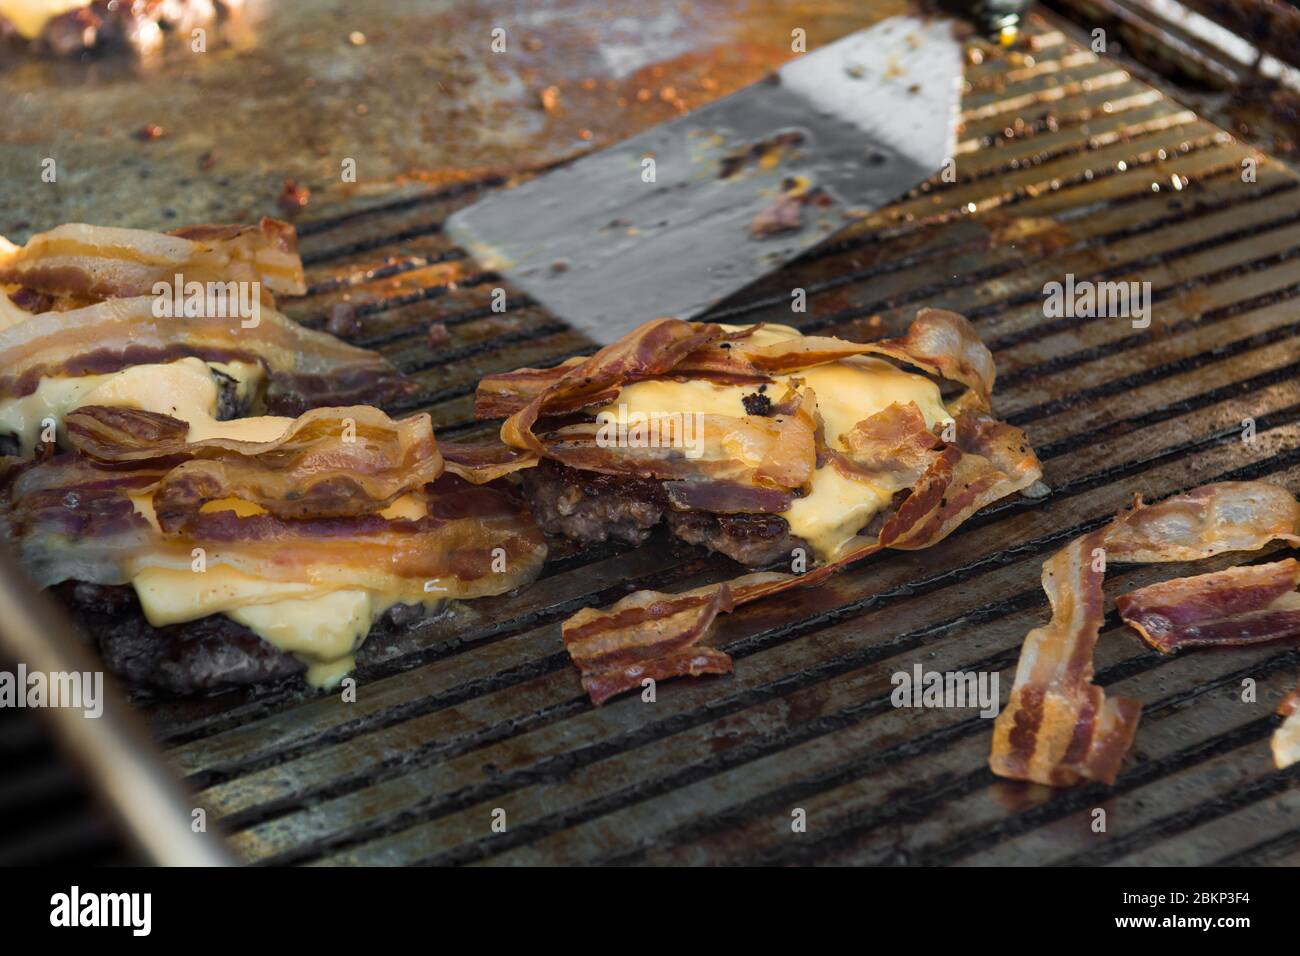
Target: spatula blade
x,y
612,240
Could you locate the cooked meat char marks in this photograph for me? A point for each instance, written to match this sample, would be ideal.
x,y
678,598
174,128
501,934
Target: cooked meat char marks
x,y
592,508
229,404
757,403
204,656
754,540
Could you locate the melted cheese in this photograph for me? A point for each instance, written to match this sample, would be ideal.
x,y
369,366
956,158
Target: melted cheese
x,y
30,16
319,623
185,389
833,508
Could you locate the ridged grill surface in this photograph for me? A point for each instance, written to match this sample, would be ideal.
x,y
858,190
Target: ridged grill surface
x,y
1067,165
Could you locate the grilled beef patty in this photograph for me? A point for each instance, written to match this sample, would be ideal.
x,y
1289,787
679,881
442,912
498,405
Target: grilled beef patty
x,y
211,654
591,508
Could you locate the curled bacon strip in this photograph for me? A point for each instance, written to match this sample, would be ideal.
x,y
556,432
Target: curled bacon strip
x,y
329,462
79,264
1244,605
306,368
649,635
653,349
1285,742
938,341
1058,728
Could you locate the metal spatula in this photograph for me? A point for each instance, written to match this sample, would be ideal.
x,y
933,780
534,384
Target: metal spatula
x,y
677,218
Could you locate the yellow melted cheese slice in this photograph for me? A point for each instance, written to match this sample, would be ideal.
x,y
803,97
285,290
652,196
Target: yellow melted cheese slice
x,y
30,16
184,389
834,508
321,624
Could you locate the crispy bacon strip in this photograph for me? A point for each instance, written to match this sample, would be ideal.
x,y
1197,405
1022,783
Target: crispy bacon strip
x,y
330,462
894,440
306,368
652,349
1285,742
648,635
1243,605
942,343
1058,728
78,264
783,447
483,461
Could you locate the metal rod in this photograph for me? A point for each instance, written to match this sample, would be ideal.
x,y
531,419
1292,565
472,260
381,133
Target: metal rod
x,y
114,748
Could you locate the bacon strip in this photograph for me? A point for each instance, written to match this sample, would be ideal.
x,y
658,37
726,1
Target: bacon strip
x,y
942,343
1285,742
306,368
652,349
330,462
648,635
1058,728
1244,605
81,264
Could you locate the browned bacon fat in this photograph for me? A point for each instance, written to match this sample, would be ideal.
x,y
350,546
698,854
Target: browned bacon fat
x,y
1058,727
934,474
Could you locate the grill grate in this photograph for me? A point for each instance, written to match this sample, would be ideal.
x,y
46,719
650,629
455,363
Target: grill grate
x,y
1069,165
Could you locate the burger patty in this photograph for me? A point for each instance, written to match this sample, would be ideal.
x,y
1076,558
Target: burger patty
x,y
592,508
203,656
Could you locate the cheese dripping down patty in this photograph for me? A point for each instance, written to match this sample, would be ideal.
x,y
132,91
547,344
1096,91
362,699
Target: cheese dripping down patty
x,y
321,624
833,508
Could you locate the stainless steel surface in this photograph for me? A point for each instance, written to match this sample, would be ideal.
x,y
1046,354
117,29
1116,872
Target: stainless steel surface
x,y
661,223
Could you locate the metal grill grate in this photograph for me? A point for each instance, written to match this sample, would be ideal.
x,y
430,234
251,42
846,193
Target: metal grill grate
x,y
1067,164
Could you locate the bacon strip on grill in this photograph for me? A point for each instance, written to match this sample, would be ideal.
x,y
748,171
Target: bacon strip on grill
x,y
1243,605
1058,728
